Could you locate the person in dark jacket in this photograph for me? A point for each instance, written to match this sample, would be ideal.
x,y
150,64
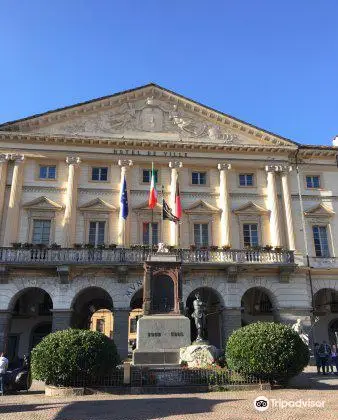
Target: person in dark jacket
x,y
324,353
317,358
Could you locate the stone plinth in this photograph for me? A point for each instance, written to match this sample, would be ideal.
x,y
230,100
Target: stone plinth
x,y
159,339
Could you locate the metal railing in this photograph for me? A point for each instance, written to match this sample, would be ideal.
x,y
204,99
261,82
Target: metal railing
x,y
65,256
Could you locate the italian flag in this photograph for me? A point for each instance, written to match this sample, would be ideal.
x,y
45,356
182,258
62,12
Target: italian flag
x,y
153,193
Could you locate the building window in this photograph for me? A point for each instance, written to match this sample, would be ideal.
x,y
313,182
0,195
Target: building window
x,y
47,172
41,231
150,233
133,324
246,180
320,241
199,178
312,181
201,234
250,234
96,233
100,325
100,174
146,175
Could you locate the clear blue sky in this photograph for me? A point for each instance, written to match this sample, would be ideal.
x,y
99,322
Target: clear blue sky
x,y
272,63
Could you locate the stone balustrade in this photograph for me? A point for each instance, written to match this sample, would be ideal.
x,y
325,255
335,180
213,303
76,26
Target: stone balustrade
x,y
128,256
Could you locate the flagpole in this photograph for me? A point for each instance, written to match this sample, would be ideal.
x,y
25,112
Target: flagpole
x,y
162,220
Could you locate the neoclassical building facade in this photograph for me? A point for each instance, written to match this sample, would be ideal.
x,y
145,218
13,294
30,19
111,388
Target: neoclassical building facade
x,y
256,237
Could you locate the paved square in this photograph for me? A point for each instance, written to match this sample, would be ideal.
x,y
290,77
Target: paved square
x,y
210,406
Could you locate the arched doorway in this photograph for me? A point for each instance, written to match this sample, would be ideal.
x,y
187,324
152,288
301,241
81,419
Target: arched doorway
x,y
163,295
135,314
39,332
256,306
92,309
325,315
31,309
213,315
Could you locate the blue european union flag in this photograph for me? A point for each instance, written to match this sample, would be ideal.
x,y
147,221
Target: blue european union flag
x,y
124,199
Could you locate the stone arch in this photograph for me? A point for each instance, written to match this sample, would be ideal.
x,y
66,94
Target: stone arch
x,y
214,318
270,288
257,304
325,301
110,285
20,286
211,282
88,301
29,307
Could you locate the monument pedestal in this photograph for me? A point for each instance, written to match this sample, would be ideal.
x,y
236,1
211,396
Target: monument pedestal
x,y
159,339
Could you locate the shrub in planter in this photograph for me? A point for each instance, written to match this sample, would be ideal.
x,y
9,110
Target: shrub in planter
x,y
112,246
54,245
16,245
268,351
72,357
78,246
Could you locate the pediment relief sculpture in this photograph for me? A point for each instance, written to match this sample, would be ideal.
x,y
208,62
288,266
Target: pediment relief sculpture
x,y
320,210
97,205
251,208
201,207
43,203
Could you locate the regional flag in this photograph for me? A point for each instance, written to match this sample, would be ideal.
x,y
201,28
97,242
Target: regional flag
x,y
153,193
178,206
124,199
167,214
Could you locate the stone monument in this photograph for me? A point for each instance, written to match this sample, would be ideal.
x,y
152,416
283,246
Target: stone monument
x,y
163,329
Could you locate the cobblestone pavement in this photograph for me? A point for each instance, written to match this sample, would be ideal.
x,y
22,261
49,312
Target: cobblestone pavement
x,y
210,406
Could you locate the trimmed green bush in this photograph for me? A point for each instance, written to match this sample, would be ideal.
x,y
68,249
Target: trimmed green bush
x,y
73,357
268,351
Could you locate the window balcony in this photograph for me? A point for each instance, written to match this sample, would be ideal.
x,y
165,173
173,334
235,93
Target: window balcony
x,y
128,256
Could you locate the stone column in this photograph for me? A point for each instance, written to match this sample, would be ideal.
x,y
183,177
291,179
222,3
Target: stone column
x,y
3,177
174,166
287,206
232,320
224,203
5,321
69,222
123,223
13,212
275,235
121,328
61,319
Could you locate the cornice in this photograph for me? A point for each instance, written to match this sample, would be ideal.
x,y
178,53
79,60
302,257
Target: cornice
x,y
123,142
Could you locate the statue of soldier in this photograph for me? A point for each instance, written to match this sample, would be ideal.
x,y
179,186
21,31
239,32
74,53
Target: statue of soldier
x,y
199,317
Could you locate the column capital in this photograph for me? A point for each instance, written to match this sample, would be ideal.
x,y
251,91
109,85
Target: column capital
x,y
224,166
17,158
175,164
4,158
73,160
125,163
272,168
285,169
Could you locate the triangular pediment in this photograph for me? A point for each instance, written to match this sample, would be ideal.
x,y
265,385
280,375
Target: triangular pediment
x,y
98,205
320,210
149,112
251,208
43,203
201,206
144,207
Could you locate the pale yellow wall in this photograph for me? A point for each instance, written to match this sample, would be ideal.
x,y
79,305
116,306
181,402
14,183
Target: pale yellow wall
x,y
109,191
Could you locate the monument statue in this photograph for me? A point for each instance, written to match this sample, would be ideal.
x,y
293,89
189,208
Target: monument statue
x,y
162,248
297,327
199,317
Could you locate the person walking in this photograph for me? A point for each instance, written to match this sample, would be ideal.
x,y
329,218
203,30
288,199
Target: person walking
x,y
334,358
324,353
3,370
317,358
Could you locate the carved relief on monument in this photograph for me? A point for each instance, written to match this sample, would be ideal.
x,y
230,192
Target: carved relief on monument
x,y
149,116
